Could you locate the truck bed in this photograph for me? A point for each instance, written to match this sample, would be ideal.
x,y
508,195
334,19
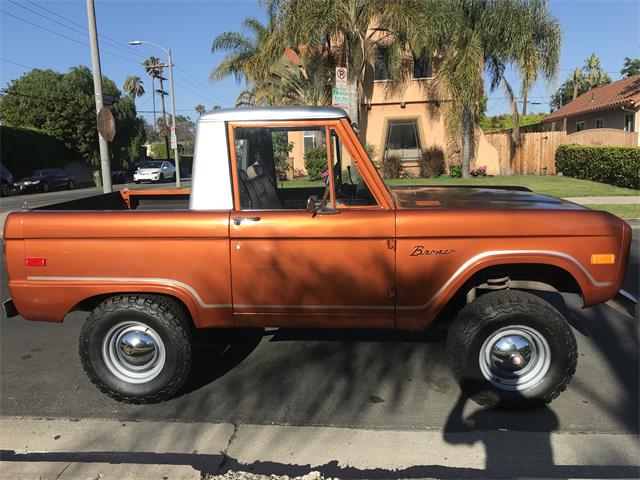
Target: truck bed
x,y
148,200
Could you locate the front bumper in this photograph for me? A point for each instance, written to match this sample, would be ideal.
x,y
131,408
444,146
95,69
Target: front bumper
x,y
9,309
34,187
146,177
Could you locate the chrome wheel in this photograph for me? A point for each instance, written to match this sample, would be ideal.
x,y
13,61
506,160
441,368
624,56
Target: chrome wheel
x,y
515,358
133,352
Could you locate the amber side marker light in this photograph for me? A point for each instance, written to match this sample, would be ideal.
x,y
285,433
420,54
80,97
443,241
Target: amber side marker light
x,y
35,261
603,258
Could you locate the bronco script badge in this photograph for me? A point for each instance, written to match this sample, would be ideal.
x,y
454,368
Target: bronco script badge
x,y
419,250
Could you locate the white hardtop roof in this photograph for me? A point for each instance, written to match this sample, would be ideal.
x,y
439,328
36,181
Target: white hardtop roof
x,y
272,113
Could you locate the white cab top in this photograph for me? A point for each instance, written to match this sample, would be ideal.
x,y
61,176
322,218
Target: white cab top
x,y
247,114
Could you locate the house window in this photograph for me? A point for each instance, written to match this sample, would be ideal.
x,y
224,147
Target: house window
x,y
403,139
581,126
599,122
379,65
309,140
629,124
422,68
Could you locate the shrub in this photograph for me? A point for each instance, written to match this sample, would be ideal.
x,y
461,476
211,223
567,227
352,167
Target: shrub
x,y
391,166
371,150
455,170
432,162
479,172
315,161
613,165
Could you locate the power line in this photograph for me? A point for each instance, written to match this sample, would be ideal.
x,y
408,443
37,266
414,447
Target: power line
x,y
116,44
64,36
16,63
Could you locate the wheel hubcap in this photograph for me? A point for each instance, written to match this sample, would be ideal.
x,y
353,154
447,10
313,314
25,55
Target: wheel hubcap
x,y
133,352
515,358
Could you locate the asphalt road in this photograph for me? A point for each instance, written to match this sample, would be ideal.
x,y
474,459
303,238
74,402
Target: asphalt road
x,y
382,380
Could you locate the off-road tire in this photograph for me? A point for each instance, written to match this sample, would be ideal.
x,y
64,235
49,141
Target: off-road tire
x,y
495,310
167,318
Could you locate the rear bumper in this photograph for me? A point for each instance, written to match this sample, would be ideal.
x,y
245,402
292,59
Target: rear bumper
x,y
9,309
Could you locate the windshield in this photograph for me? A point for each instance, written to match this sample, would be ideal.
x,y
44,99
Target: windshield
x,y
152,165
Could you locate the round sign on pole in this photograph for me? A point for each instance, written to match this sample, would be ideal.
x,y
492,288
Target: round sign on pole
x,y
106,124
341,74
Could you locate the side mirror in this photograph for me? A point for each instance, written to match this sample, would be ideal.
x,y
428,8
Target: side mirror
x,y
312,205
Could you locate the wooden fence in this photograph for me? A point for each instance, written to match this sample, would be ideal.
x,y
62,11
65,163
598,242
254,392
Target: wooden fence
x,y
537,152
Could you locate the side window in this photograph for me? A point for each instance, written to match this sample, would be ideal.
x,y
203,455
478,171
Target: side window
x,y
279,168
580,126
403,140
379,64
350,188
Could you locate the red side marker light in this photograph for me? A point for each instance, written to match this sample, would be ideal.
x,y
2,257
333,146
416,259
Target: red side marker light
x,y
35,261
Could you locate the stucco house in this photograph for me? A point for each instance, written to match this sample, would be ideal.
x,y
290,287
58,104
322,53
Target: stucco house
x,y
615,106
405,118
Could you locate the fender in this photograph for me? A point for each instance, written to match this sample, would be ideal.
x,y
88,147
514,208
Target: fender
x,y
420,315
59,296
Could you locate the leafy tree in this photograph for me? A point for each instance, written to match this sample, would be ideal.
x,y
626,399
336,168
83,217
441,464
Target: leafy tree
x,y
133,87
200,109
630,67
307,82
347,22
590,76
474,36
505,122
248,55
281,150
62,105
216,107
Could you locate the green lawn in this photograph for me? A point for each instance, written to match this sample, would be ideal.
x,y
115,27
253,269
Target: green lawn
x,y
622,211
549,185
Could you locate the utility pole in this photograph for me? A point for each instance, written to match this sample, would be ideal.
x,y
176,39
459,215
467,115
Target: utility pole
x,y
174,138
105,166
162,93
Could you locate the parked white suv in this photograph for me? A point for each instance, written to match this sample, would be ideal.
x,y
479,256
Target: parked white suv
x,y
155,171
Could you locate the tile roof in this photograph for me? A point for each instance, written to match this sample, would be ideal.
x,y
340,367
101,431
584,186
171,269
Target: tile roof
x,y
623,91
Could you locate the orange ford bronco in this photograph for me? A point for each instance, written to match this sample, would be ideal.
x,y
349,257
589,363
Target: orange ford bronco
x,y
246,248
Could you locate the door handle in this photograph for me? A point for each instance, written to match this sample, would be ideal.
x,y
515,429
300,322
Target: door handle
x,y
239,220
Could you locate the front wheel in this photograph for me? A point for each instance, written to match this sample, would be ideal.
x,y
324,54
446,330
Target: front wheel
x,y
45,187
511,349
137,348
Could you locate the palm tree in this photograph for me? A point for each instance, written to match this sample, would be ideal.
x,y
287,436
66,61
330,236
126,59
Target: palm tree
x,y
347,22
473,36
133,87
306,81
249,55
153,67
577,79
594,73
200,109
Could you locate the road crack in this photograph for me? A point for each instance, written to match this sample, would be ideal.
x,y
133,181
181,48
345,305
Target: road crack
x,y
232,438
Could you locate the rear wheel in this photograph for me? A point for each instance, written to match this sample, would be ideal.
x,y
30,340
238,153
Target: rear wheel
x,y
137,348
511,349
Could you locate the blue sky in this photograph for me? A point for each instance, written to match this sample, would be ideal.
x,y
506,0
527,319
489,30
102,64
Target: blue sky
x,y
610,28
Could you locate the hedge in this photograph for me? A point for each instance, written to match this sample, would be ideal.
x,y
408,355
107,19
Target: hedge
x,y
613,165
23,151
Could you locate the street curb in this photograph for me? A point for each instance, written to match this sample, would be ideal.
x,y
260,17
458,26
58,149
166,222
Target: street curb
x,y
106,446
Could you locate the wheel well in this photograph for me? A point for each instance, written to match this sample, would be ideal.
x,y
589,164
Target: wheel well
x,y
89,304
520,277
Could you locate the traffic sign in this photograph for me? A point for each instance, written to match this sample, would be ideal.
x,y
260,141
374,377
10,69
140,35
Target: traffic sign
x,y
341,77
106,124
340,96
109,100
174,141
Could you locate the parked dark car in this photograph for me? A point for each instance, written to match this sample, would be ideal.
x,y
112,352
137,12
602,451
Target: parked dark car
x,y
7,181
45,180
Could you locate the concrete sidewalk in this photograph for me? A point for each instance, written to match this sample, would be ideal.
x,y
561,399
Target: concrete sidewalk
x,y
633,200
69,449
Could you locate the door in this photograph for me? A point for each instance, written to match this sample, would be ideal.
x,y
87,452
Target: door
x,y
294,267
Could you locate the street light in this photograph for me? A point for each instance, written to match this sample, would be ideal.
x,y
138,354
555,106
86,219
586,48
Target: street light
x,y
174,139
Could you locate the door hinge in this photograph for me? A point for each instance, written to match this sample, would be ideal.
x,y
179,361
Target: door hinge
x,y
392,293
391,243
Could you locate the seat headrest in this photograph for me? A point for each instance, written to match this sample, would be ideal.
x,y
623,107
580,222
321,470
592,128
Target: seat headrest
x,y
255,170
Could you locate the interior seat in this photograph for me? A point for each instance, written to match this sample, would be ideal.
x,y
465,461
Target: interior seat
x,y
259,185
